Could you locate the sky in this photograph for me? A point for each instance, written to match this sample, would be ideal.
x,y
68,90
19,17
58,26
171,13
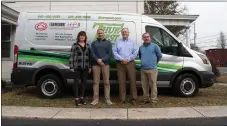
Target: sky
x,y
212,19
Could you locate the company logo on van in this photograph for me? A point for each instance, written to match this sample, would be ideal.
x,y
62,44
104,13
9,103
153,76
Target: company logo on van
x,y
41,26
111,30
64,26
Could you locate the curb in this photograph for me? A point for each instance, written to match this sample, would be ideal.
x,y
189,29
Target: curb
x,y
114,114
43,118
221,84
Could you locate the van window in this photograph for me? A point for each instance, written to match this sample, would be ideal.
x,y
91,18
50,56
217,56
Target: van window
x,y
156,35
166,42
170,44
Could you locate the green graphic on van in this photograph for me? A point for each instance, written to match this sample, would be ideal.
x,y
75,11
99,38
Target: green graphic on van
x,y
111,30
35,55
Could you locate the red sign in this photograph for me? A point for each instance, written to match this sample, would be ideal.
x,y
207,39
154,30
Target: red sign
x,y
41,26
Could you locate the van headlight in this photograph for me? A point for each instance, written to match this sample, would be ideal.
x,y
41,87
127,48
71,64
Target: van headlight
x,y
204,58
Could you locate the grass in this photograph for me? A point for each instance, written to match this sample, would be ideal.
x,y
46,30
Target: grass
x,y
215,95
222,79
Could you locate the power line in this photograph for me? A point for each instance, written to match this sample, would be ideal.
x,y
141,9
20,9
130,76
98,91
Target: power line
x,y
209,40
209,36
209,46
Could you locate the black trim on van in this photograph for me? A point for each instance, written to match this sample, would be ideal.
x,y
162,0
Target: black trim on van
x,y
49,69
27,76
206,79
22,76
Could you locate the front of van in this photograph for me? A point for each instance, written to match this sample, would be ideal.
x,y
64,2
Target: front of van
x,y
201,64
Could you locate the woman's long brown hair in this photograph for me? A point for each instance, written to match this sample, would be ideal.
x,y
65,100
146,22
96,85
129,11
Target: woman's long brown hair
x,y
81,33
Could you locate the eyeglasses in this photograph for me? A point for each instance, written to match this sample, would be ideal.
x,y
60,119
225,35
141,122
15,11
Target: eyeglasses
x,y
124,32
146,36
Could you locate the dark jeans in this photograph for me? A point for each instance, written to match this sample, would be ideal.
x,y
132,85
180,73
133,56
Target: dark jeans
x,y
79,89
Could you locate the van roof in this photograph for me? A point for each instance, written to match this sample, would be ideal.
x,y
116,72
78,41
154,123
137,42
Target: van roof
x,y
99,12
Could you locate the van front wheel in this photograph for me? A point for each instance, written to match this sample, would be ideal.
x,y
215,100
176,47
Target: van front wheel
x,y
49,86
186,85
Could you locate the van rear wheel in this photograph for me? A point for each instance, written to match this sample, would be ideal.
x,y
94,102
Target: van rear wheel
x,y
49,86
186,85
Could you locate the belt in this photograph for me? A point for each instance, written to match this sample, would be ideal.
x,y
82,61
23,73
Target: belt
x,y
129,62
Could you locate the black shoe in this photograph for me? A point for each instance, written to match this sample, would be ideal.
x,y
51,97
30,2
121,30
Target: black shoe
x,y
143,102
77,102
83,102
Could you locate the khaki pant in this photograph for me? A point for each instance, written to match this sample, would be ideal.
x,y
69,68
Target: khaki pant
x,y
96,78
149,79
130,69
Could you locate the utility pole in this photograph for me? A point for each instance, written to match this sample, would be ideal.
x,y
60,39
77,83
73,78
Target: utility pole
x,y
194,36
188,37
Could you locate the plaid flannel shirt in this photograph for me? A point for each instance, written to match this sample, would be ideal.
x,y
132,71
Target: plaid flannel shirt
x,y
80,59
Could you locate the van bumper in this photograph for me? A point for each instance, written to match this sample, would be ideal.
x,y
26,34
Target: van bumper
x,y
207,79
22,76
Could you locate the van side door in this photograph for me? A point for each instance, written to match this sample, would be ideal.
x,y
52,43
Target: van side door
x,y
171,61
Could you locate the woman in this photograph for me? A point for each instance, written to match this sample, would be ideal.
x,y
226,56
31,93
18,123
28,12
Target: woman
x,y
80,64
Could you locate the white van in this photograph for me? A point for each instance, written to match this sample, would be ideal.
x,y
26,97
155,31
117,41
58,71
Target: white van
x,y
43,41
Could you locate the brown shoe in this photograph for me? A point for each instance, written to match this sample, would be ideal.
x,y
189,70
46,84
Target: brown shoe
x,y
154,102
121,102
134,102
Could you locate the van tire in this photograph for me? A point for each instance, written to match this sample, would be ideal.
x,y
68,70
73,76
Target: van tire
x,y
55,86
186,85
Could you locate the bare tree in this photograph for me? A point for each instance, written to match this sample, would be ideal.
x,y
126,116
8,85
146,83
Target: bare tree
x,y
163,7
222,40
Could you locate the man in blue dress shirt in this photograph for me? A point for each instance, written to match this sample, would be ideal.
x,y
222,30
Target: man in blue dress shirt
x,y
125,51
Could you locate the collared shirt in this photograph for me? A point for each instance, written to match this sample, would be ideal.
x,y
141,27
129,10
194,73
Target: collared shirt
x,y
101,49
149,55
125,49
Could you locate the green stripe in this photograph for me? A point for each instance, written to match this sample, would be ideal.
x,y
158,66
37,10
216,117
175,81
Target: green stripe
x,y
64,59
45,53
44,59
138,70
169,66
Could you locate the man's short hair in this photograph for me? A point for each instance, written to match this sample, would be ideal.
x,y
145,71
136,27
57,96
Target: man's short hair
x,y
146,33
100,30
125,28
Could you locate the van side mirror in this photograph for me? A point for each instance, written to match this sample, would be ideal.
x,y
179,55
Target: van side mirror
x,y
180,49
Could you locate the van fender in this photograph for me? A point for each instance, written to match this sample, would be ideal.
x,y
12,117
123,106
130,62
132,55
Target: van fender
x,y
47,67
186,70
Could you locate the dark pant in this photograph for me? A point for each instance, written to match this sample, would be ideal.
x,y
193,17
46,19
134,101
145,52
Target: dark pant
x,y
79,89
